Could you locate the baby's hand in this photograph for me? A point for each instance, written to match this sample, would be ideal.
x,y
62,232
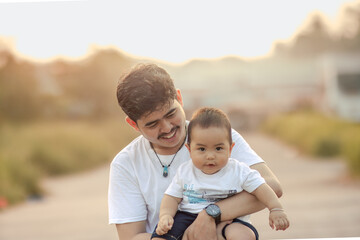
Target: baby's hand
x,y
279,220
164,225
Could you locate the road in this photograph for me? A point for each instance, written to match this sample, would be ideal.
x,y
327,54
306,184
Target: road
x,y
319,199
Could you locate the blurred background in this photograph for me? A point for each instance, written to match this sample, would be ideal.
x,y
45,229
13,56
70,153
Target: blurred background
x,y
286,72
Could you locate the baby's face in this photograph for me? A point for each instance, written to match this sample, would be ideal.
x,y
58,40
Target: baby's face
x,y
209,148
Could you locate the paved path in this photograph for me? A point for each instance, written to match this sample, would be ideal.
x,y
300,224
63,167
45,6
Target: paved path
x,y
319,200
75,209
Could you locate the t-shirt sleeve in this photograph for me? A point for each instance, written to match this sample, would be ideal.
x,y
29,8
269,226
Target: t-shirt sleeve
x,y
243,152
252,178
125,201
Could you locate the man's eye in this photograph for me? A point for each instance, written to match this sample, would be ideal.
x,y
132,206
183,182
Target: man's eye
x,y
152,125
170,115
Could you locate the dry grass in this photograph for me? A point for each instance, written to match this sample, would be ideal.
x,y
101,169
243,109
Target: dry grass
x,y
31,151
319,135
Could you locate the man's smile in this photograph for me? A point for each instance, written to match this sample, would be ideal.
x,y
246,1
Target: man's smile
x,y
170,134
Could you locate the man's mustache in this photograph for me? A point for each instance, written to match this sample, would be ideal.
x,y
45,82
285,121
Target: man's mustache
x,y
172,130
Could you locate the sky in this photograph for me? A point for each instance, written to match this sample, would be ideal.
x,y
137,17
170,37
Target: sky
x,y
172,31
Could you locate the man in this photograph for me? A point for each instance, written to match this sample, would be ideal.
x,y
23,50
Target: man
x,y
141,172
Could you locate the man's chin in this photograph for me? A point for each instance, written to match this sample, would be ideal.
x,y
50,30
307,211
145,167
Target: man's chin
x,y
166,143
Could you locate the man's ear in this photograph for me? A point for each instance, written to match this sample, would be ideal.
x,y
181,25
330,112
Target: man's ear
x,y
188,147
132,123
179,97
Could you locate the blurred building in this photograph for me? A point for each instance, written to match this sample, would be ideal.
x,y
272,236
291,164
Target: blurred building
x,y
341,81
250,91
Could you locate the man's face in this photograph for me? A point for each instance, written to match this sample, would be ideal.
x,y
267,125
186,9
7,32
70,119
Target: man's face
x,y
164,128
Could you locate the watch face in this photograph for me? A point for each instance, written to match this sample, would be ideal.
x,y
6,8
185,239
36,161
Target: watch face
x,y
213,210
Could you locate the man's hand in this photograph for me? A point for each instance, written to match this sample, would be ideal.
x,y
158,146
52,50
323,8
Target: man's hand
x,y
203,227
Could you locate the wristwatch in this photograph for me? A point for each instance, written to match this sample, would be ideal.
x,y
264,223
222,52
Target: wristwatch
x,y
213,210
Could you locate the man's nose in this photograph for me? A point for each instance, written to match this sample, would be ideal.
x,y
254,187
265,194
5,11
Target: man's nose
x,y
166,126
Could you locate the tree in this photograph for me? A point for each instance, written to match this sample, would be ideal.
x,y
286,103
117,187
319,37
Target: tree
x,y
19,92
350,33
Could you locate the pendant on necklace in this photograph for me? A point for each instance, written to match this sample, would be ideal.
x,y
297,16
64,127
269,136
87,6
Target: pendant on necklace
x,y
165,172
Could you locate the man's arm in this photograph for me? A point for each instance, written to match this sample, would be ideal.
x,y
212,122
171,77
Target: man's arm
x,y
132,231
240,204
245,203
269,177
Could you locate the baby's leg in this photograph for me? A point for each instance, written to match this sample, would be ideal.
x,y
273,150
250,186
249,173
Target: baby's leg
x,y
182,221
240,230
219,229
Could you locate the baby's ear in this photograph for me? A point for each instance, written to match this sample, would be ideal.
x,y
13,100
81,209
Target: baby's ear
x,y
188,147
231,147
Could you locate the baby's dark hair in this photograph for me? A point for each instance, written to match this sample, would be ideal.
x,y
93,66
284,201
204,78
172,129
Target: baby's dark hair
x,y
209,117
146,88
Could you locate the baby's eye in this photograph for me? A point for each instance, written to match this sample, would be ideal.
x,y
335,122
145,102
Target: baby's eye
x,y
219,148
201,149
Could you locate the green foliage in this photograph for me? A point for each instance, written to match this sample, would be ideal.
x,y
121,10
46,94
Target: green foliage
x,y
318,135
31,151
351,149
33,96
308,133
62,149
18,179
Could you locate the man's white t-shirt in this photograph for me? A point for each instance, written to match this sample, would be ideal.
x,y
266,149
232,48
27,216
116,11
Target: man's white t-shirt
x,y
198,189
137,185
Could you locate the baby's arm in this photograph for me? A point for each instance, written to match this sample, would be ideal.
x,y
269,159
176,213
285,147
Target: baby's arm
x,y
168,208
277,216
